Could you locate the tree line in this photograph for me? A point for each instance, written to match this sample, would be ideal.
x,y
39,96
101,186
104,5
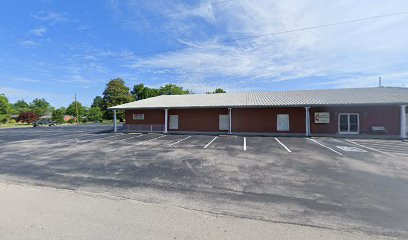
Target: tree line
x,y
115,93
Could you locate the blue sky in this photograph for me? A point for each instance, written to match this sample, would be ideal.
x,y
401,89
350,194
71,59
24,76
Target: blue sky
x,y
55,49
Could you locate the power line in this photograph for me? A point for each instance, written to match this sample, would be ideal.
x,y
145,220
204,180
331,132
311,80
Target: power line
x,y
159,15
133,20
231,40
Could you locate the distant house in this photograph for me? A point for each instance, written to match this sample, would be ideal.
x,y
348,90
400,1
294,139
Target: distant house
x,y
67,118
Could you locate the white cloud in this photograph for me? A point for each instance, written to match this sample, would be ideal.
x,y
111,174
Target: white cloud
x,y
203,11
39,32
51,16
399,79
25,80
28,43
15,94
369,48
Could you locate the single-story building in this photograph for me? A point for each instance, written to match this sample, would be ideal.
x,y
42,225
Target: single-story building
x,y
357,111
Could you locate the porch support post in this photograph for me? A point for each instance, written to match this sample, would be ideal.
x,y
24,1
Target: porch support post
x,y
403,122
166,111
115,127
307,121
230,121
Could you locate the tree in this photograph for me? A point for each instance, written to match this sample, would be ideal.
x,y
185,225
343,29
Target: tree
x,y
94,114
5,109
116,93
58,115
172,89
98,102
140,92
21,106
71,109
40,106
28,117
218,90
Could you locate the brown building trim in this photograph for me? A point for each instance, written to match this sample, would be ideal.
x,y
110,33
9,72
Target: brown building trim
x,y
264,120
199,120
151,116
371,116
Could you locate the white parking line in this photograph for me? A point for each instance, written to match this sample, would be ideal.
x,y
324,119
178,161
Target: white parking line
x,y
125,139
331,149
373,149
283,145
150,140
377,141
36,151
99,138
396,145
244,143
210,142
179,141
41,137
61,142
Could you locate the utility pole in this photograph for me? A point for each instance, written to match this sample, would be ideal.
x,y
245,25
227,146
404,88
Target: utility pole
x,y
76,109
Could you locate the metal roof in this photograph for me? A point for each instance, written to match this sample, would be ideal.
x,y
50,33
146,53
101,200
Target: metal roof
x,y
350,96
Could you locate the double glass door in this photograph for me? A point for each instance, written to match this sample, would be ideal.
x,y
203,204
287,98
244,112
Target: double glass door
x,y
349,123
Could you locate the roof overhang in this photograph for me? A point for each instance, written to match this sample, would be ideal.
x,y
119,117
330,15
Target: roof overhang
x,y
263,106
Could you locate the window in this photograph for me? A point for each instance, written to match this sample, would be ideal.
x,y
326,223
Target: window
x,y
283,122
139,116
349,123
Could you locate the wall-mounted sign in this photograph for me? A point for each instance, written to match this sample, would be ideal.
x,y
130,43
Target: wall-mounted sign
x,y
322,117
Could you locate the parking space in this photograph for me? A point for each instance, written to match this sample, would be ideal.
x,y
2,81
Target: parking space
x,y
360,149
48,138
321,181
225,142
46,133
390,147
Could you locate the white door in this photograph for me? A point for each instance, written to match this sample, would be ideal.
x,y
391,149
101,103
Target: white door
x,y
224,122
283,122
173,124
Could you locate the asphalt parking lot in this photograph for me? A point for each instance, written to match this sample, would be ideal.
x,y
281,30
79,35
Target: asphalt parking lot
x,y
346,184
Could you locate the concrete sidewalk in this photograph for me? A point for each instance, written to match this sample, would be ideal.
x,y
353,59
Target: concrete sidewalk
x,y
29,212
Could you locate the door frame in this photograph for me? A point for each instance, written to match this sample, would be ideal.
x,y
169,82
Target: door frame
x,y
277,122
348,120
219,122
170,122
406,122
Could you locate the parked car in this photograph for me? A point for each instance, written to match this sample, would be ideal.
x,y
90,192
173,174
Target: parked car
x,y
44,122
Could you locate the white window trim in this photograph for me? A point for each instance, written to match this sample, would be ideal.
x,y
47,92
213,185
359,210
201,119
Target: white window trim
x,y
135,118
277,124
348,114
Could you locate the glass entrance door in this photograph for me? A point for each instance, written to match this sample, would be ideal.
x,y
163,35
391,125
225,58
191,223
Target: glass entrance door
x,y
349,123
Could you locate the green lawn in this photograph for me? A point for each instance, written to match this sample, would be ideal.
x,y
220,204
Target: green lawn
x,y
22,125
15,125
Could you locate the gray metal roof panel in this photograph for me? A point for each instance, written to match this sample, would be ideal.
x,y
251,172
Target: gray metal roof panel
x,y
351,96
